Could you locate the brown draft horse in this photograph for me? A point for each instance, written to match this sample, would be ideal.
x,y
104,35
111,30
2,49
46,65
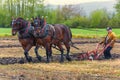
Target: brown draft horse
x,y
25,36
56,34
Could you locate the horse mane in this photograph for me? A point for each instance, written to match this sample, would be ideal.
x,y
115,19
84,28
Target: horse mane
x,y
19,18
23,21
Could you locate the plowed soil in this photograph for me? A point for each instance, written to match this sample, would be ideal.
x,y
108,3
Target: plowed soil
x,y
11,53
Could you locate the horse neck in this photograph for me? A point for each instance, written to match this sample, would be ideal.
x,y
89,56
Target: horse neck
x,y
23,29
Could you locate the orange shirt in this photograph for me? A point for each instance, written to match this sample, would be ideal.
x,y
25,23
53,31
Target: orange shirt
x,y
111,37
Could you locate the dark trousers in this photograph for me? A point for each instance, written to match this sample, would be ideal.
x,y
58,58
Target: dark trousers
x,y
107,53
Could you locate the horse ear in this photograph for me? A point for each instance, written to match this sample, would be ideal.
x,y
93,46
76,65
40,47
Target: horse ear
x,y
27,19
12,18
42,17
46,17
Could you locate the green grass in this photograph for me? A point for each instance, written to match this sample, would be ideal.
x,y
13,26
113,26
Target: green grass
x,y
92,33
77,33
5,32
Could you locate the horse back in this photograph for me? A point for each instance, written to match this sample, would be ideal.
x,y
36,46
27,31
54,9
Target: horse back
x,y
63,31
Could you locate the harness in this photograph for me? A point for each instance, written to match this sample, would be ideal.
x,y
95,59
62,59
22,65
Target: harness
x,y
53,31
26,32
45,31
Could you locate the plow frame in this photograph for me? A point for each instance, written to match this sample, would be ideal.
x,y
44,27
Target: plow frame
x,y
93,54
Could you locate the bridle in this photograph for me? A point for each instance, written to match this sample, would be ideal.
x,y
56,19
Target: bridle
x,y
18,23
36,23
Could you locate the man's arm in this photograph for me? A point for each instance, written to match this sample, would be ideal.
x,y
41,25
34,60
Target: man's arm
x,y
113,40
101,42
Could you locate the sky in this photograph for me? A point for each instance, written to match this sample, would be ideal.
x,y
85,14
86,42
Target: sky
x,y
66,2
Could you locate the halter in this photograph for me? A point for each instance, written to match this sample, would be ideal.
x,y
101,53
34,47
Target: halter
x,y
13,22
36,23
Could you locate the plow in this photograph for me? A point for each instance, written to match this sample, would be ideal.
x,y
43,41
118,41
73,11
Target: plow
x,y
93,54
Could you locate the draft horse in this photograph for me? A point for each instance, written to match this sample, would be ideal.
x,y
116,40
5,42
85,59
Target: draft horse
x,y
56,34
25,36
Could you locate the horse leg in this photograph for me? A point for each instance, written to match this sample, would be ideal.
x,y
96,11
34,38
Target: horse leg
x,y
29,58
26,50
62,51
36,52
50,55
68,51
48,49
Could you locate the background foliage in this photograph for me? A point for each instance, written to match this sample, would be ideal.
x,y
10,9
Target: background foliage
x,y
69,15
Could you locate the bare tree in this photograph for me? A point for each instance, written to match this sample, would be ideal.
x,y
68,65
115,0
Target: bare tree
x,y
69,11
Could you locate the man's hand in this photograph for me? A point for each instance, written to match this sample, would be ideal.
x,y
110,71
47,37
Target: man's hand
x,y
108,45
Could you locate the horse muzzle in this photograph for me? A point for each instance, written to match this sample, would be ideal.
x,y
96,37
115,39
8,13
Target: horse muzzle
x,y
14,33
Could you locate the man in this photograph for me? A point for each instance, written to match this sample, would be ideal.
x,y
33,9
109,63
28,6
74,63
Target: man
x,y
108,42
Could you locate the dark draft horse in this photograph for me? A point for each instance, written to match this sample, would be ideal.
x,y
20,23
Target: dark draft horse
x,y
25,36
56,34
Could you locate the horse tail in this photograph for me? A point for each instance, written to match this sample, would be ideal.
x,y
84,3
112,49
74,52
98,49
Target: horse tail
x,y
69,34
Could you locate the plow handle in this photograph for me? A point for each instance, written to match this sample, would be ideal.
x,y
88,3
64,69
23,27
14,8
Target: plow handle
x,y
102,51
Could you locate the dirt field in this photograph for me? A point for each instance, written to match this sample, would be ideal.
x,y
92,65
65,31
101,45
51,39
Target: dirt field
x,y
11,54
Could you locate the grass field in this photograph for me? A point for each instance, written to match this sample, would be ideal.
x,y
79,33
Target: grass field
x,y
92,33
77,33
82,70
5,32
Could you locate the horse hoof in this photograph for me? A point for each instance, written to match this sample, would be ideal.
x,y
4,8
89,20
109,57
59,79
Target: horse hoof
x,y
61,61
21,61
29,59
68,58
47,61
39,58
51,58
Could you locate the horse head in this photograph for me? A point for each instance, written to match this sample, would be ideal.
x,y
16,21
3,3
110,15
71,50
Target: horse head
x,y
37,26
17,25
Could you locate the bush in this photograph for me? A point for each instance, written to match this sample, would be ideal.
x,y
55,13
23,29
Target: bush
x,y
115,21
99,18
77,22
